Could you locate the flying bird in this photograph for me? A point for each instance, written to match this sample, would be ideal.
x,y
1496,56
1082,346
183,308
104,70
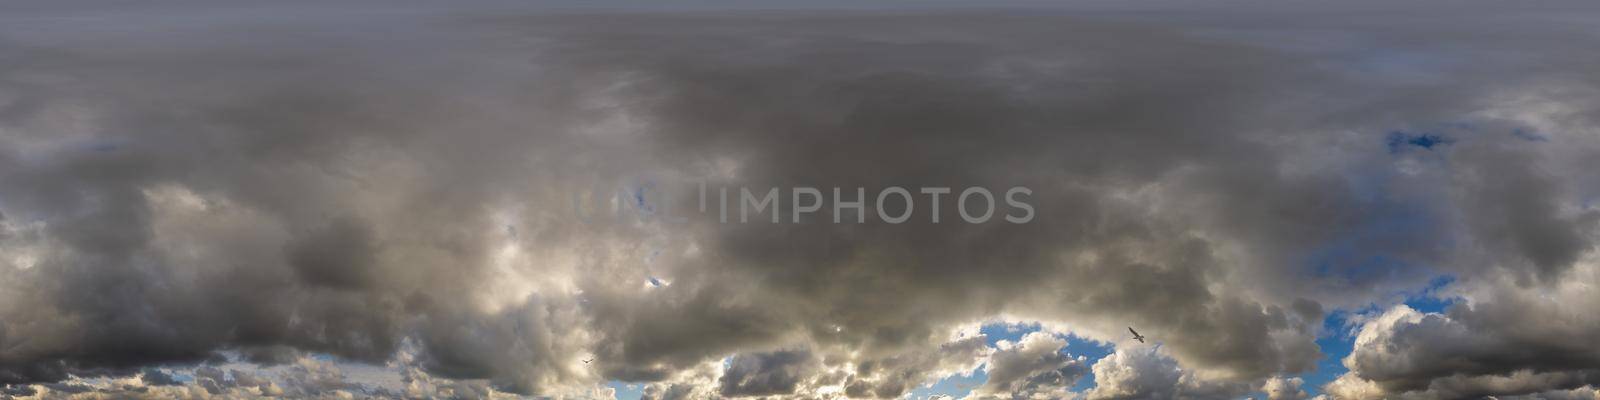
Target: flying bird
x,y
1136,335
587,361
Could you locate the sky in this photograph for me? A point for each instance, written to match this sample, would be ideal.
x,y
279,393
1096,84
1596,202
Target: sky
x,y
498,199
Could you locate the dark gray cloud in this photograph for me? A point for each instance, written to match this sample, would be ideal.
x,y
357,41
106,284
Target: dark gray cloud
x,y
765,374
1507,340
394,186
156,377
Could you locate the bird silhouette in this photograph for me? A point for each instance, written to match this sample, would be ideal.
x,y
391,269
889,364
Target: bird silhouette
x,y
587,361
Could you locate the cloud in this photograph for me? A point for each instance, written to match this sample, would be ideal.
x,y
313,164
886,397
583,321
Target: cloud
x,y
1037,367
191,182
762,374
1133,373
1279,388
894,375
700,382
1499,339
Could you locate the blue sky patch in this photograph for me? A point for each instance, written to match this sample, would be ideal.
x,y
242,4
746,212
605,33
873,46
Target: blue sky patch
x,y
1400,141
1336,343
1529,135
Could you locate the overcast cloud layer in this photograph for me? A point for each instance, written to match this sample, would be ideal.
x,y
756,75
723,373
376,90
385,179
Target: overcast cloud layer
x,y
306,201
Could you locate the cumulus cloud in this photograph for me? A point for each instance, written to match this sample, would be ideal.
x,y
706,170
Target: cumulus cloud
x,y
695,383
1501,338
1279,388
762,374
424,189
1034,368
1145,373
